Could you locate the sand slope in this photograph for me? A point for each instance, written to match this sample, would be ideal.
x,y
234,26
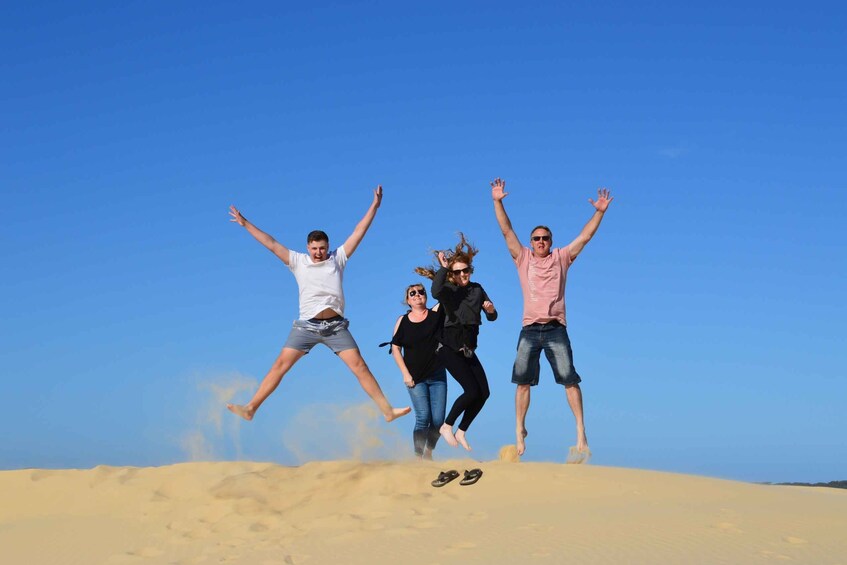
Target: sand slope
x,y
343,512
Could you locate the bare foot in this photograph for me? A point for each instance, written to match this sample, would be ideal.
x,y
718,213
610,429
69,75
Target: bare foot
x,y
244,411
582,442
396,413
520,443
460,437
446,431
427,455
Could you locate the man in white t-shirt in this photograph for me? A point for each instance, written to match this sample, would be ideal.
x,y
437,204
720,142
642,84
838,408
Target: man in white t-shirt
x,y
543,273
319,274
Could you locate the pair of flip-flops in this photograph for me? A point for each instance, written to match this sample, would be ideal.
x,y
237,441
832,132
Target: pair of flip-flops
x,y
445,477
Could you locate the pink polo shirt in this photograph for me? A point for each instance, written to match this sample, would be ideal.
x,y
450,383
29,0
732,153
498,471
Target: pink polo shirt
x,y
543,285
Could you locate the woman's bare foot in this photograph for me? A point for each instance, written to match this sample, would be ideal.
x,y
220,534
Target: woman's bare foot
x,y
427,455
246,411
460,437
446,431
396,413
521,434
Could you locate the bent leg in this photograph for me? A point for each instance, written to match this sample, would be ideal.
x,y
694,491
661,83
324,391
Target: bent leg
x,y
286,359
353,359
522,394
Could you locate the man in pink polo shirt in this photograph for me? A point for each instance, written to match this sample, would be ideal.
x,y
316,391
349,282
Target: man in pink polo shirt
x,y
543,272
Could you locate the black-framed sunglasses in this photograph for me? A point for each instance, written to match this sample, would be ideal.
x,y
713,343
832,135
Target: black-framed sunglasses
x,y
541,238
415,292
464,271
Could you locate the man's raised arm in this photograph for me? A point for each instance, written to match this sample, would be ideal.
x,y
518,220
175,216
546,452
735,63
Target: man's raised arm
x,y
362,227
273,245
600,207
498,193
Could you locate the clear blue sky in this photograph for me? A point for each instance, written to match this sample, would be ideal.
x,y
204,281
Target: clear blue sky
x,y
707,316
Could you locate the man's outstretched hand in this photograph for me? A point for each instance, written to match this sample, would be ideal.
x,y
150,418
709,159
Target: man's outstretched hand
x,y
603,200
236,216
498,189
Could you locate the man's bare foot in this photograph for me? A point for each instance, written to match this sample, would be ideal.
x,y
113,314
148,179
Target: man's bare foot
x,y
521,434
446,431
244,411
396,413
460,437
427,455
582,441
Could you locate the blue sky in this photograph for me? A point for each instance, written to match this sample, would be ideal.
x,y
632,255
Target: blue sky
x,y
706,315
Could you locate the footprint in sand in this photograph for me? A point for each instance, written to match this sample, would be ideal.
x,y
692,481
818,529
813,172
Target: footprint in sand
x,y
728,527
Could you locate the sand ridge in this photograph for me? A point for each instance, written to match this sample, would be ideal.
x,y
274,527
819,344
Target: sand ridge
x,y
380,512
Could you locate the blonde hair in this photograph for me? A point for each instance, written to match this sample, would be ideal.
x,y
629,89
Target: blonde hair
x,y
463,252
405,301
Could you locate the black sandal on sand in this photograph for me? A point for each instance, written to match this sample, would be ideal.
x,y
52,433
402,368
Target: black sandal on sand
x,y
471,477
445,477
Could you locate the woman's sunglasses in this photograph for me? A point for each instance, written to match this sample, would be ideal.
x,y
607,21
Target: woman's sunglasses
x,y
464,271
414,292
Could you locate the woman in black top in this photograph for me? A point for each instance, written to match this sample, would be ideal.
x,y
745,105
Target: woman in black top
x,y
413,348
463,302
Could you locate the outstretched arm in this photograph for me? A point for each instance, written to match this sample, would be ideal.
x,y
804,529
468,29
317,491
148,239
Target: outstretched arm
x,y
600,207
275,247
498,193
362,227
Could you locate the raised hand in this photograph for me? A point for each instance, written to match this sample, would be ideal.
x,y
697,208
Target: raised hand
x,y
442,259
498,189
603,200
236,216
377,196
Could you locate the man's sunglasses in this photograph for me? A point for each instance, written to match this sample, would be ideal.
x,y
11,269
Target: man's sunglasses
x,y
464,271
414,292
541,238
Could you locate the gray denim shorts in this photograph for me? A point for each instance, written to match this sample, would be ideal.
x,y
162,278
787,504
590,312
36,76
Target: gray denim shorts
x,y
305,334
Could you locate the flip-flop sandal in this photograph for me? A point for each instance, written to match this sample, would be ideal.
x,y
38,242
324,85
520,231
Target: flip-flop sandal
x,y
471,477
445,477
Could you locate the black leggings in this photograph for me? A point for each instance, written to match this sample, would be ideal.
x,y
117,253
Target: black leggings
x,y
470,375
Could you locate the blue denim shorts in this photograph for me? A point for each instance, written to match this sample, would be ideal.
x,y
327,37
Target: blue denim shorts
x,y
552,338
305,334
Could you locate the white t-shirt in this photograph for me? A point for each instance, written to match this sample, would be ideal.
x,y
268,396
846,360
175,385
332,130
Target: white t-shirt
x,y
319,283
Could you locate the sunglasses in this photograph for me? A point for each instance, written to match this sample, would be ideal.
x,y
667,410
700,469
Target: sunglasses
x,y
417,292
464,271
541,238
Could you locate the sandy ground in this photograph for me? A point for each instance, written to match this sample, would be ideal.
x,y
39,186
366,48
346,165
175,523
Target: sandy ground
x,y
349,512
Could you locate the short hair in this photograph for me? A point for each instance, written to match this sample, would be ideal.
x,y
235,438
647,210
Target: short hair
x,y
317,235
542,228
405,301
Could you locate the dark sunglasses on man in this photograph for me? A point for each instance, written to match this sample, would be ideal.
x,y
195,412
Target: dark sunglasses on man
x,y
541,238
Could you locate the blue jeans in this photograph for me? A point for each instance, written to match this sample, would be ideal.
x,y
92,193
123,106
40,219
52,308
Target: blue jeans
x,y
429,399
552,338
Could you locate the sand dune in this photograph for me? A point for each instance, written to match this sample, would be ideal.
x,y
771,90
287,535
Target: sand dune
x,y
342,512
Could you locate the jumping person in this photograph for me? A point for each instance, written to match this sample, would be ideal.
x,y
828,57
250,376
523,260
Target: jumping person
x,y
543,273
319,278
463,301
413,348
